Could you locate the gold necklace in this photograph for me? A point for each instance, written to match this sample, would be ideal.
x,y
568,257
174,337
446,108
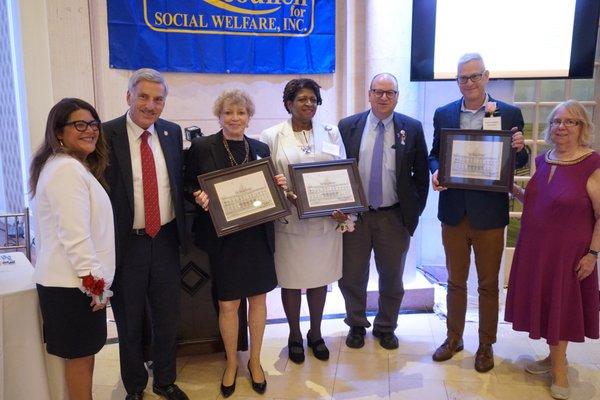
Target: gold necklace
x,y
556,161
230,155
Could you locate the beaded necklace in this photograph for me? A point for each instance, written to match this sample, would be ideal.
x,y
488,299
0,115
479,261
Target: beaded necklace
x,y
232,160
548,158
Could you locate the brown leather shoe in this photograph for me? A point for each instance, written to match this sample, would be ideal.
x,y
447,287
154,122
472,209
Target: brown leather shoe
x,y
448,349
484,358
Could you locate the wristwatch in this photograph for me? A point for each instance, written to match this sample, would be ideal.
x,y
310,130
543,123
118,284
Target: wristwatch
x,y
593,252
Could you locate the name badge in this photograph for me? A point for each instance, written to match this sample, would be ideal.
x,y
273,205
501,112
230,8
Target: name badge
x,y
331,148
492,123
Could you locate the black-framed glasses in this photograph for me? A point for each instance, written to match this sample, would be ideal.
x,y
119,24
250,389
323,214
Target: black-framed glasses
x,y
566,122
473,78
389,93
82,126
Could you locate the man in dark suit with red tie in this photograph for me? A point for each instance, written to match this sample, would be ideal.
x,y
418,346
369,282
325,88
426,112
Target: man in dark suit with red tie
x,y
145,183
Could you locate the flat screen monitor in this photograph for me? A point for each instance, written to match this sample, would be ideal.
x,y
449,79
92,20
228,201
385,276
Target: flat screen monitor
x,y
518,39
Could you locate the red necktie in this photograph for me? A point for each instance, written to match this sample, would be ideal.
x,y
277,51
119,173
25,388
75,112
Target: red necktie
x,y
150,185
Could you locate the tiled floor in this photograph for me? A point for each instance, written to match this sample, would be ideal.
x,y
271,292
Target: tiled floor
x,y
374,373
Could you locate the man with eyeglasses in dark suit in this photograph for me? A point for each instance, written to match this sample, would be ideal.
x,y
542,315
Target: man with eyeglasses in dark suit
x,y
473,218
392,161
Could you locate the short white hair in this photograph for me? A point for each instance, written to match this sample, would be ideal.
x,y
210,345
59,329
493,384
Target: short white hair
x,y
465,58
147,74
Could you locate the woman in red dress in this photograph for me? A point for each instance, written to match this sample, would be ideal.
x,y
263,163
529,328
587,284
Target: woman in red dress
x,y
553,286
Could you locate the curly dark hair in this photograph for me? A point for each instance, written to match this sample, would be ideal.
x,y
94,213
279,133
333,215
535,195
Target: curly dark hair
x,y
295,85
58,116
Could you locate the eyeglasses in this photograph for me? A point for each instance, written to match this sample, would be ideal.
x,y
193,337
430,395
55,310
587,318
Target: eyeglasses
x,y
389,93
82,126
566,122
473,78
306,100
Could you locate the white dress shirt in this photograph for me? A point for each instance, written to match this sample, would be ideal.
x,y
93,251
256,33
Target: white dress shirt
x,y
74,225
165,202
388,175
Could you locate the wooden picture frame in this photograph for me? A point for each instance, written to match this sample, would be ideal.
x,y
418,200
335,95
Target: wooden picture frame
x,y
325,186
243,196
477,160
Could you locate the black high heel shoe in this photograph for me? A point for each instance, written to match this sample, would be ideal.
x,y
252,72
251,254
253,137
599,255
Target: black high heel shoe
x,y
259,387
227,391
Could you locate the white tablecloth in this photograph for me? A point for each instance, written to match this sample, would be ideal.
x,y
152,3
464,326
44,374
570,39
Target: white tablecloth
x,y
26,370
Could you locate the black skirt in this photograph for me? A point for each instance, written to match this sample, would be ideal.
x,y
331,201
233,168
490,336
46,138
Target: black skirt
x,y
244,266
71,328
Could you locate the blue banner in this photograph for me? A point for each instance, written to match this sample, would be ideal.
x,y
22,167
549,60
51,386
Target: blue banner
x,y
223,36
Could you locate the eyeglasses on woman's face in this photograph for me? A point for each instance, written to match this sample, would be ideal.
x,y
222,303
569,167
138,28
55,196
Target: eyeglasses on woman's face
x,y
82,126
568,123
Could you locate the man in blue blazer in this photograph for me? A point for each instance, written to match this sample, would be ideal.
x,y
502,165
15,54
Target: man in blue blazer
x,y
145,177
473,218
392,161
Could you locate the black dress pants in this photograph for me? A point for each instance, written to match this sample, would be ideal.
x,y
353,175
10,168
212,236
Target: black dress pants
x,y
148,276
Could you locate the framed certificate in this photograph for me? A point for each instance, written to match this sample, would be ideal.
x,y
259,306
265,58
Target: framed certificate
x,y
476,160
243,196
323,187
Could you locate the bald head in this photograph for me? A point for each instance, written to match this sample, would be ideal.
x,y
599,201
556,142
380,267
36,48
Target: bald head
x,y
383,95
384,76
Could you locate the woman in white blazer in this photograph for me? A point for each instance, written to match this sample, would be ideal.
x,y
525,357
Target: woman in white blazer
x,y
308,252
75,239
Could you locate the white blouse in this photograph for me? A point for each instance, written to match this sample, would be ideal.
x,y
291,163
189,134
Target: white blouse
x,y
74,225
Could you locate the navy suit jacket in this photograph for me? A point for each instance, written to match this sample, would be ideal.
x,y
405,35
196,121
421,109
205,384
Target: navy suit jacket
x,y
120,180
207,154
485,210
412,176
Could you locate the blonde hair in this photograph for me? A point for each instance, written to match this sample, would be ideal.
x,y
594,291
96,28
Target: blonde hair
x,y
238,97
574,108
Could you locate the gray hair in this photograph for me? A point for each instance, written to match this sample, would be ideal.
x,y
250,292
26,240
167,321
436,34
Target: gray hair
x,y
384,75
465,58
147,74
579,113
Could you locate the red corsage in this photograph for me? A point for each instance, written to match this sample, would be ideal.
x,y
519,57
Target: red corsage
x,y
95,287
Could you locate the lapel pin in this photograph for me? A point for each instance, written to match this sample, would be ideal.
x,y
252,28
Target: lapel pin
x,y
166,133
402,137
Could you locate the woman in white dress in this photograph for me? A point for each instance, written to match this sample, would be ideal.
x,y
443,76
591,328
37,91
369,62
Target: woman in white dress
x,y
309,251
